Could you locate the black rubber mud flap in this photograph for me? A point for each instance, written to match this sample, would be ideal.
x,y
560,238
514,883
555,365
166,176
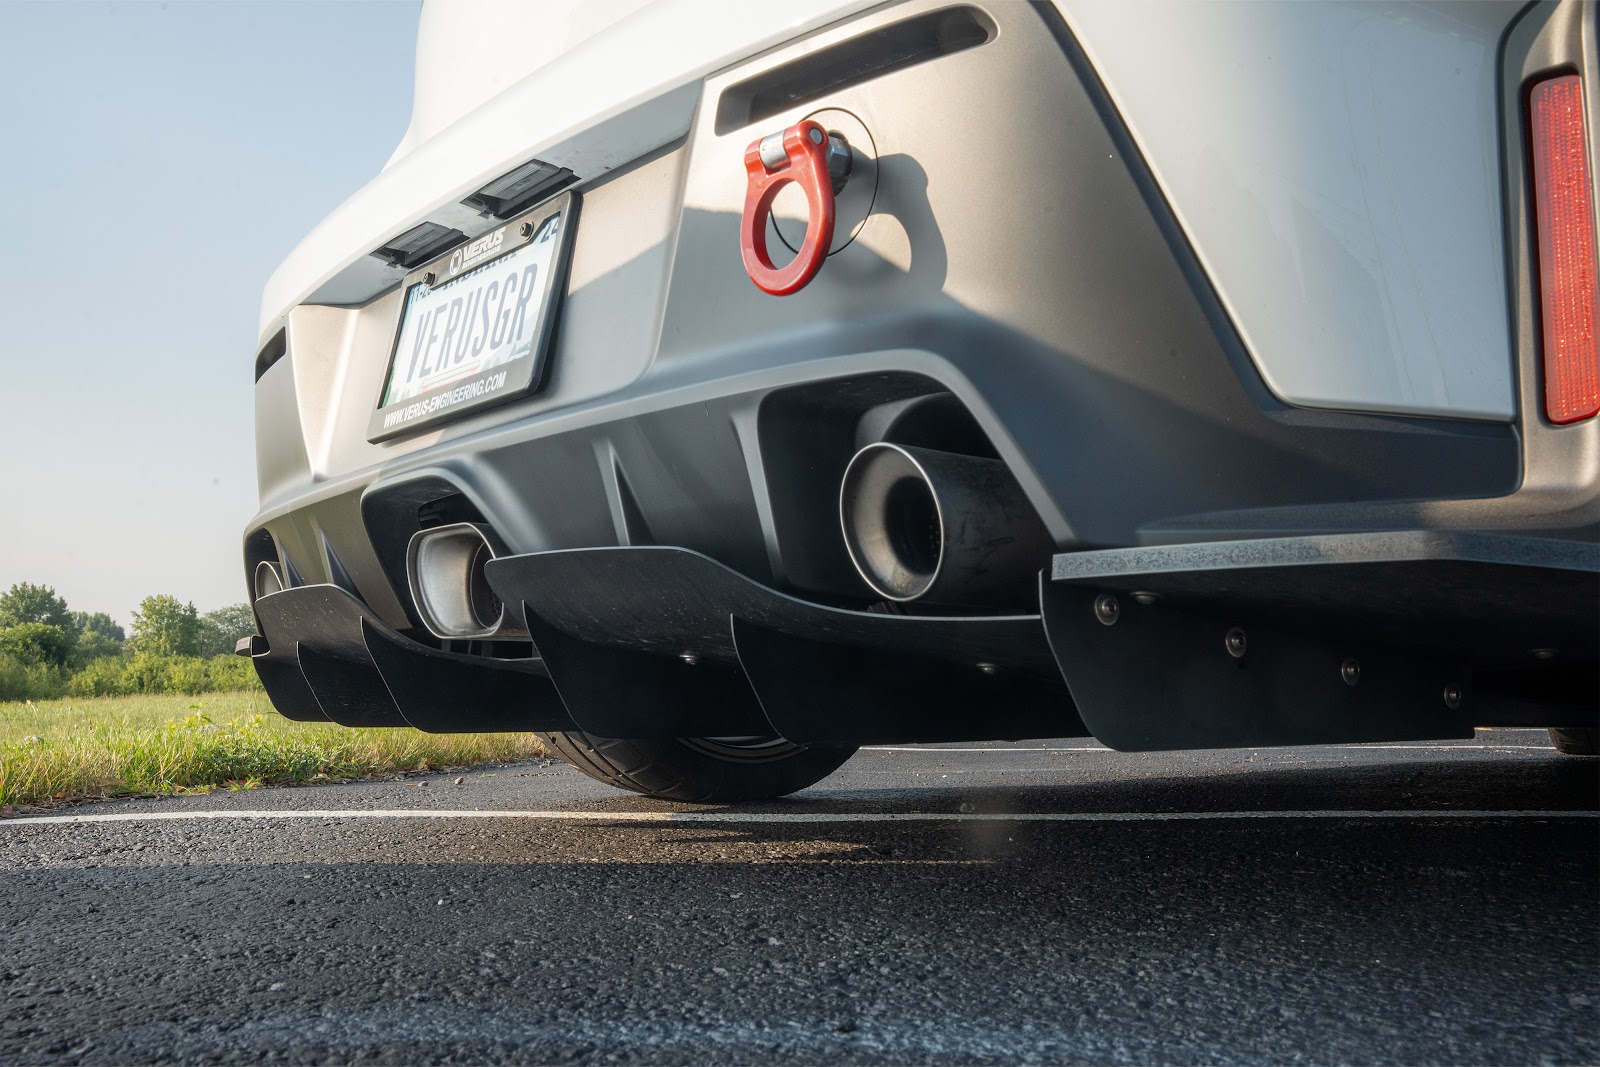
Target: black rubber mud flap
x,y
816,691
1308,640
641,643
355,671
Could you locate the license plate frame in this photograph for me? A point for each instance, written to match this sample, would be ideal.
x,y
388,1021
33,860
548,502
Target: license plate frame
x,y
509,363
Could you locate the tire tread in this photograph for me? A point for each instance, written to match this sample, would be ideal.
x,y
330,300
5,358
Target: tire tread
x,y
1576,740
671,771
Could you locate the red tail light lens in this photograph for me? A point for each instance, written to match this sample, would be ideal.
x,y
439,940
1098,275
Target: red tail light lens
x,y
1567,282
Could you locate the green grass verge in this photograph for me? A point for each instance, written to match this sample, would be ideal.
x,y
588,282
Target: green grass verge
x,y
57,750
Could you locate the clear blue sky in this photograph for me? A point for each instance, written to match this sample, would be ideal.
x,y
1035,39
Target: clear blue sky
x,y
157,160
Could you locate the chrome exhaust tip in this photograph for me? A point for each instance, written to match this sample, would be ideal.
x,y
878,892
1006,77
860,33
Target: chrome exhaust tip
x,y
921,524
449,585
268,579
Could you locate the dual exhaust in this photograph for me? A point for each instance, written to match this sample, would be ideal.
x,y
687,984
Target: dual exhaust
x,y
938,527
919,525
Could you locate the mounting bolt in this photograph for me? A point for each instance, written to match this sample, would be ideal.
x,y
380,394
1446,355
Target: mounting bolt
x,y
1350,671
526,230
1452,696
1106,609
1145,597
988,668
1235,642
429,279
1545,653
689,657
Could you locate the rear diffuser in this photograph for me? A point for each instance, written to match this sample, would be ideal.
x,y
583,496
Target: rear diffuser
x,y
665,642
315,632
329,658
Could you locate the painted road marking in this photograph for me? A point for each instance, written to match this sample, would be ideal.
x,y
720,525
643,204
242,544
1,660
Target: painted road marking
x,y
1376,747
664,817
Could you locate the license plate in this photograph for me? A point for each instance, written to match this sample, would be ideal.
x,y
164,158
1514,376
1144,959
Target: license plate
x,y
475,323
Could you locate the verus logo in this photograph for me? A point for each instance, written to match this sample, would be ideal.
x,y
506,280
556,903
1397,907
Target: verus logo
x,y
470,254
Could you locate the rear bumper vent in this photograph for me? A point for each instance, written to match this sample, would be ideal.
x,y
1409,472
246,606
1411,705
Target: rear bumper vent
x,y
271,352
860,59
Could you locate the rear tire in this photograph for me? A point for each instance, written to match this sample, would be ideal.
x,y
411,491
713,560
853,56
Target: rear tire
x,y
699,770
1576,740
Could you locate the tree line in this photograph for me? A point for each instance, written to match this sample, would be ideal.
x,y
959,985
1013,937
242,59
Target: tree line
x,y
47,650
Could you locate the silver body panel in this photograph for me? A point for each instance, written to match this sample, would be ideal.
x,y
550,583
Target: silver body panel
x,y
1337,168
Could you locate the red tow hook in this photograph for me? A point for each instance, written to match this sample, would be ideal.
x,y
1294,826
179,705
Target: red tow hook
x,y
819,163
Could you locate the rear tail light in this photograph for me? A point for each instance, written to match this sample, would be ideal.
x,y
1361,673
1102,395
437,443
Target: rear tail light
x,y
1567,271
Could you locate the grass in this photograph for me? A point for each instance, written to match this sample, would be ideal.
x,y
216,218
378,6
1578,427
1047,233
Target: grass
x,y
53,751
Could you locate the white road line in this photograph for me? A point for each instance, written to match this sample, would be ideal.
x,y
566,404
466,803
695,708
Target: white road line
x,y
1375,747
929,748
666,817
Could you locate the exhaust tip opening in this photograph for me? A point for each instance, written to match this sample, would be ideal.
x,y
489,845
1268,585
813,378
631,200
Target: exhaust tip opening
x,y
893,529
911,523
450,584
486,607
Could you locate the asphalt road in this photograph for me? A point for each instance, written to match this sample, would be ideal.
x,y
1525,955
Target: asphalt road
x,y
1005,903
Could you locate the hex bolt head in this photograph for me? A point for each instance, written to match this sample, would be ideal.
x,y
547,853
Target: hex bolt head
x,y
1452,696
1145,598
1350,671
527,229
1236,642
689,657
430,278
1107,610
